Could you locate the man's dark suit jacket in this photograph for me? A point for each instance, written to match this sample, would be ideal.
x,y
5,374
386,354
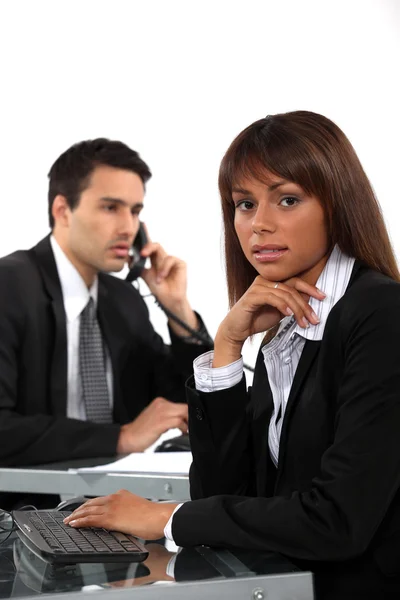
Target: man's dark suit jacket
x,y
335,494
33,362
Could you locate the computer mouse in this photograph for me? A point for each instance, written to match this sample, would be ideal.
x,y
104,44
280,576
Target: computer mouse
x,y
72,503
180,443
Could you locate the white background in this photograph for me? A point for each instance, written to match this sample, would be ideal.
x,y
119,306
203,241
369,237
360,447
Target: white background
x,y
177,81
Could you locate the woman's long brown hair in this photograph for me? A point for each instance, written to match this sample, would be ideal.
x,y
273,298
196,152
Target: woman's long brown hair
x,y
311,151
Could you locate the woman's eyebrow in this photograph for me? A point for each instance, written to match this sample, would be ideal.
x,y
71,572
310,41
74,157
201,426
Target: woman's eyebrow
x,y
274,186
271,188
240,191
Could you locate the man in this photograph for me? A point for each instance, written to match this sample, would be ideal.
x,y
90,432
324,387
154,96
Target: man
x,y
82,371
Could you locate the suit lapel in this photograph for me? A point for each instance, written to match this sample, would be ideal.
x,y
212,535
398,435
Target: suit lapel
x,y
261,410
308,356
59,358
112,325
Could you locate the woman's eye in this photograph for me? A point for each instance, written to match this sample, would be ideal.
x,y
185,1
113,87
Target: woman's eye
x,y
244,205
289,201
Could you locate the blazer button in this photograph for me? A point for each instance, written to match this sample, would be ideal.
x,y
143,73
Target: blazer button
x,y
199,414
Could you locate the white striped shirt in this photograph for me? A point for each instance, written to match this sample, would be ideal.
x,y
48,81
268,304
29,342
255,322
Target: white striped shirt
x,y
282,354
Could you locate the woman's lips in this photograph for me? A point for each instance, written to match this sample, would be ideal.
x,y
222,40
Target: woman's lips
x,y
264,256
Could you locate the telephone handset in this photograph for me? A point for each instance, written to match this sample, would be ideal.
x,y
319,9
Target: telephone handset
x,y
137,261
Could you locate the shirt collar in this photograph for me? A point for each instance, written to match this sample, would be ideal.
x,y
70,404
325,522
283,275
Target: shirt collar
x,y
333,281
75,292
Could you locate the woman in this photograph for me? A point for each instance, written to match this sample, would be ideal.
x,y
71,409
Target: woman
x,y
306,462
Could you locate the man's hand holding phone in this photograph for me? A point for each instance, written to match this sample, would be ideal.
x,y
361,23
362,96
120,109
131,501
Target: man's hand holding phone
x,y
262,306
167,279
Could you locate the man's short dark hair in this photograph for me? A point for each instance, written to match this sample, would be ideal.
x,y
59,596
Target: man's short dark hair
x,y
71,172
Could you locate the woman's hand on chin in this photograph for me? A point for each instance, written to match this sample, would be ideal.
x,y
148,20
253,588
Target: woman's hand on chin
x,y
263,305
126,512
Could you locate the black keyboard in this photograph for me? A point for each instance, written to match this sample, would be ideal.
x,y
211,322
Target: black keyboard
x,y
46,535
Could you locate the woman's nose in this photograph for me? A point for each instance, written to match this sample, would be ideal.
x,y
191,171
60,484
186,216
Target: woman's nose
x,y
263,220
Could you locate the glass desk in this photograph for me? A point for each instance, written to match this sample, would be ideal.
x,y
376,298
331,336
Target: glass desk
x,y
190,573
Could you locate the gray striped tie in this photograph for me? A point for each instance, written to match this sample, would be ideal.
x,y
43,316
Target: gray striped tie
x,y
92,367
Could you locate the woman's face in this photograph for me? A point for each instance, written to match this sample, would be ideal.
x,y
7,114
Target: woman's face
x,y
281,229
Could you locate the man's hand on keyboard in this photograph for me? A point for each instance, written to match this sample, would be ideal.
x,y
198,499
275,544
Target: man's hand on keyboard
x,y
124,512
159,416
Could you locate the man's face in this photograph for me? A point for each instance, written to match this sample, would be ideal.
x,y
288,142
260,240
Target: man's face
x,y
102,227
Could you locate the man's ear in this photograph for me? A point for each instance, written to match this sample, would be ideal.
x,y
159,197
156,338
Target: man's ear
x,y
60,211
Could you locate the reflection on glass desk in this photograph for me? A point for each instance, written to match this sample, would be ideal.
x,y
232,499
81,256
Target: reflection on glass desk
x,y
56,478
23,574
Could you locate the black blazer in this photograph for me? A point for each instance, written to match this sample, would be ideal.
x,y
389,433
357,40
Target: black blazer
x,y
33,362
335,494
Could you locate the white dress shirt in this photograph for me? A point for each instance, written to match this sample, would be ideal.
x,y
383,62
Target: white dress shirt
x,y
282,354
76,295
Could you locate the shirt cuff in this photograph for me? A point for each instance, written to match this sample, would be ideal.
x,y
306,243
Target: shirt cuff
x,y
170,570
168,527
208,379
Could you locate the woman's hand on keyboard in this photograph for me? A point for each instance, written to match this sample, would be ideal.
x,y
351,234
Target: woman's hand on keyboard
x,y
124,512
